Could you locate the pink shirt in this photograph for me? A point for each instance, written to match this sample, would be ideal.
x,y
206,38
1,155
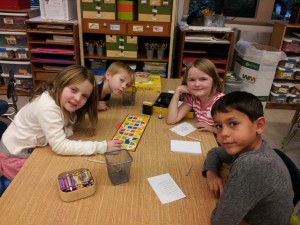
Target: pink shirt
x,y
202,114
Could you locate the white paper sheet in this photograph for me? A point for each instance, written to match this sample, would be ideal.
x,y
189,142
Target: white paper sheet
x,y
165,188
186,146
183,129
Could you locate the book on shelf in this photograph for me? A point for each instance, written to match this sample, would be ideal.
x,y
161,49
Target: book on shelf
x,y
62,38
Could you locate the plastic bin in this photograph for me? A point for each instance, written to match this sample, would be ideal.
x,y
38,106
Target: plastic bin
x,y
19,67
283,73
13,39
22,81
281,88
21,53
7,53
293,99
291,44
233,84
13,20
277,98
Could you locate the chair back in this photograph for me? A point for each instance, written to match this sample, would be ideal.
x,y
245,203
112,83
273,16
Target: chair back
x,y
294,173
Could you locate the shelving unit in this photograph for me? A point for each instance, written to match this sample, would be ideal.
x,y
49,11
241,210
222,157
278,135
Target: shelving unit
x,y
142,31
53,45
280,31
12,23
212,43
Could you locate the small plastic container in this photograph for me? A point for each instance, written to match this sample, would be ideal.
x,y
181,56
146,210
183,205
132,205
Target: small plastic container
x,y
19,67
291,44
13,20
289,63
293,99
118,164
295,89
76,184
280,88
297,74
21,53
13,39
233,84
22,81
277,98
7,53
283,73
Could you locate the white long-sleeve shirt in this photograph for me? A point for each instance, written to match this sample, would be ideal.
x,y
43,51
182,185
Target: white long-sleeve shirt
x,y
41,122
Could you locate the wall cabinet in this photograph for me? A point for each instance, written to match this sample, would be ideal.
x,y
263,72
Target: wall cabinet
x,y
53,45
125,39
286,37
14,50
214,44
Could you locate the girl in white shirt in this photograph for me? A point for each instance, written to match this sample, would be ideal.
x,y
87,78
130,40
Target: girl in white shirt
x,y
49,119
201,86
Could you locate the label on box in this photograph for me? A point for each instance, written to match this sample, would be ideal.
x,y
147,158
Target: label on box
x,y
138,28
93,26
115,27
158,29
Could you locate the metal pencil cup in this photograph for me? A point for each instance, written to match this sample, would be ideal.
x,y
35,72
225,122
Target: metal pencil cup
x,y
118,164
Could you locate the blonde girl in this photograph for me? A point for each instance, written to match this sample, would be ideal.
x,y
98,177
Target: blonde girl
x,y
50,119
201,86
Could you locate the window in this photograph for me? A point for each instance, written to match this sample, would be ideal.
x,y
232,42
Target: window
x,y
232,8
282,9
265,10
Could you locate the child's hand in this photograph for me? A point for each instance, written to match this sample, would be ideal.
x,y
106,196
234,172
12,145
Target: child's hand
x,y
113,145
102,106
215,183
182,89
205,127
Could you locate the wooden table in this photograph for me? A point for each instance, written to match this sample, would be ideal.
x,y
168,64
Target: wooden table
x,y
33,196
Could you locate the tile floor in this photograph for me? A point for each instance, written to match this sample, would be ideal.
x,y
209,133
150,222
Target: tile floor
x,y
278,124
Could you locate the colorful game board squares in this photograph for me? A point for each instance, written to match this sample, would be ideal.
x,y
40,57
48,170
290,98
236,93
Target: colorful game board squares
x,y
131,130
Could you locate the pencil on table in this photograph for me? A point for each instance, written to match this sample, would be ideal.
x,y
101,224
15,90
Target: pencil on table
x,y
187,173
196,139
96,161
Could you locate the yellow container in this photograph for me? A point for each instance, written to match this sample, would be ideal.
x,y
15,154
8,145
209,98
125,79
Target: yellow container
x,y
283,73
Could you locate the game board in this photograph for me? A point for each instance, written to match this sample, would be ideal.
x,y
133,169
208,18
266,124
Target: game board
x,y
131,130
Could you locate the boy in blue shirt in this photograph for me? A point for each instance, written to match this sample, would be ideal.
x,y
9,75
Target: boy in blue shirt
x,y
259,188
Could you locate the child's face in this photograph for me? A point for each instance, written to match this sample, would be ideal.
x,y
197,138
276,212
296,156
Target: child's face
x,y
118,83
74,97
199,83
236,133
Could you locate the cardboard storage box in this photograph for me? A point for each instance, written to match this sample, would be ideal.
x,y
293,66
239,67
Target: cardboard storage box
x,y
152,83
58,10
121,46
126,10
99,10
256,65
157,11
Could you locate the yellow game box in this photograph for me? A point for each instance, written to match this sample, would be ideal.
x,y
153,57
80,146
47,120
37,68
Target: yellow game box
x,y
152,83
162,103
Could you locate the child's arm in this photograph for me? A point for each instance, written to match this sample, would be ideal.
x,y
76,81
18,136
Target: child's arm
x,y
212,166
176,113
205,127
102,106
